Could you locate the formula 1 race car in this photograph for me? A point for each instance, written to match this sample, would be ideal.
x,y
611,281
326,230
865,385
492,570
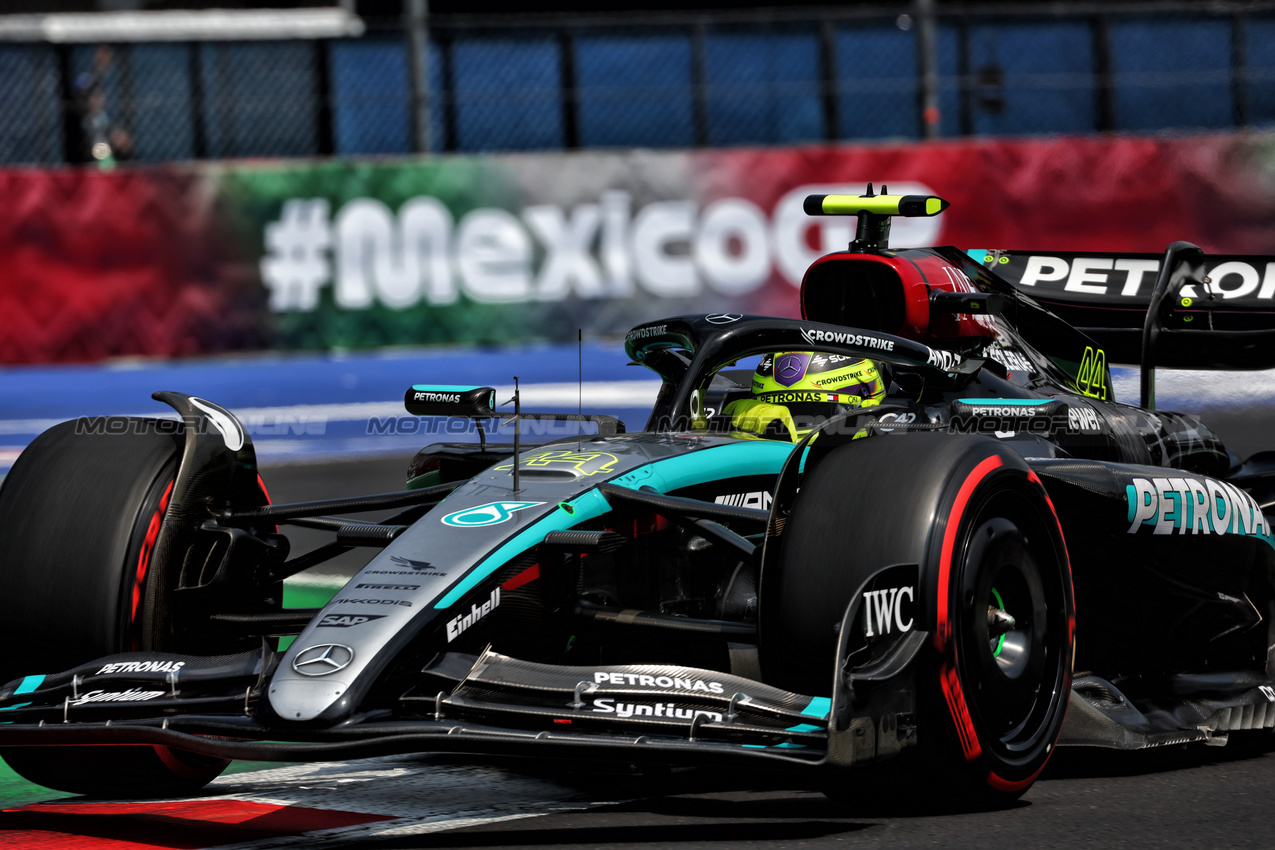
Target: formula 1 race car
x,y
996,558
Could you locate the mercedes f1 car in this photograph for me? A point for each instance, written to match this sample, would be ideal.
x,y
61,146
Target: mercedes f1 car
x,y
996,559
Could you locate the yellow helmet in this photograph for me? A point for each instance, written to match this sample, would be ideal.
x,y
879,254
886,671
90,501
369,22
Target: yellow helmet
x,y
795,390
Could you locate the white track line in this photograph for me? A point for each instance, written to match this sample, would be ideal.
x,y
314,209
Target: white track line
x,y
422,795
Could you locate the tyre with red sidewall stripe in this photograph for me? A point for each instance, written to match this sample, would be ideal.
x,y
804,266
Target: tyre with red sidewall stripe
x,y
995,595
80,512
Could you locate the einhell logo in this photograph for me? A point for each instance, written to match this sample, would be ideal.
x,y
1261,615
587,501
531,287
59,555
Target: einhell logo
x,y
457,627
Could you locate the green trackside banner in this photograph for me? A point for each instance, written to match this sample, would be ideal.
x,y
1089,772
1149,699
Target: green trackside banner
x,y
486,250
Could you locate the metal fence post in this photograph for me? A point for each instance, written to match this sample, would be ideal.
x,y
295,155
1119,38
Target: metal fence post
x,y
449,133
965,68
568,95
927,55
1104,75
72,134
416,22
699,84
199,103
325,114
1239,70
830,87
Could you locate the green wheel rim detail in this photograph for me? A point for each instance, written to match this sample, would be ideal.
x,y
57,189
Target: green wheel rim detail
x,y
1000,643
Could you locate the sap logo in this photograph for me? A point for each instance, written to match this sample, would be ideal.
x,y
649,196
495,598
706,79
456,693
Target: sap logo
x,y
825,359
1186,505
457,626
760,500
1082,419
606,705
642,680
344,621
884,609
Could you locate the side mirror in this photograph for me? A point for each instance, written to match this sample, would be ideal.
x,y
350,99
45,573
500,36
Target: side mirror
x,y
447,400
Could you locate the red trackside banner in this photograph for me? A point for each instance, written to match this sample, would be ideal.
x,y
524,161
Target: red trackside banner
x,y
205,258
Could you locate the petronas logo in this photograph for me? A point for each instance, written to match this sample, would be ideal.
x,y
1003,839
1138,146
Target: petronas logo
x,y
492,513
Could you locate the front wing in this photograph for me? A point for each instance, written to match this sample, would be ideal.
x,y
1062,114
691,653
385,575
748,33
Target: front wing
x,y
488,704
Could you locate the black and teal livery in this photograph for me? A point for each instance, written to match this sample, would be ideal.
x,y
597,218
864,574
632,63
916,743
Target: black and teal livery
x,y
915,579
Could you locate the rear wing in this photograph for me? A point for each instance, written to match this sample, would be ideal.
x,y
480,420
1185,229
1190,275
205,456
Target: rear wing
x,y
1220,318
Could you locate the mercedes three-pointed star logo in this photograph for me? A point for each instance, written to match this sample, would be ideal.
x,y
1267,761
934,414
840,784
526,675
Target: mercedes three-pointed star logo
x,y
322,659
790,367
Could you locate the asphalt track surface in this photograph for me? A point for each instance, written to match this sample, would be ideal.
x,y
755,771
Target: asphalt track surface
x,y
1206,797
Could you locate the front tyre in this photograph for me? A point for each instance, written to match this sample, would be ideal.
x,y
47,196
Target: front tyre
x,y
995,595
1004,628
79,515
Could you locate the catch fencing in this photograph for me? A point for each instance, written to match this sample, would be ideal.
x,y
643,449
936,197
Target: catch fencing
x,y
660,81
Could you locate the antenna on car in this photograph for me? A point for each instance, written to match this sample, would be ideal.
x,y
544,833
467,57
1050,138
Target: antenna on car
x,y
580,376
874,211
517,443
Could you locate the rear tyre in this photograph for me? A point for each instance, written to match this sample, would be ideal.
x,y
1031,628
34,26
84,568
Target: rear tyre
x,y
995,594
79,514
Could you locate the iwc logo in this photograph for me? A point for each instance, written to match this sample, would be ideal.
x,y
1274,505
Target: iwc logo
x,y
322,659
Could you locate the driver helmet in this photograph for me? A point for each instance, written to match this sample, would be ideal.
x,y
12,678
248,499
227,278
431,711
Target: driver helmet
x,y
794,391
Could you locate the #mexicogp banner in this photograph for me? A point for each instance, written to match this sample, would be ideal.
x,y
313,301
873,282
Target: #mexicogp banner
x,y
496,249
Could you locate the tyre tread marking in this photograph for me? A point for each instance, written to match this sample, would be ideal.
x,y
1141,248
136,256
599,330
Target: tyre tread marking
x,y
948,677
144,557
1071,589
995,780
